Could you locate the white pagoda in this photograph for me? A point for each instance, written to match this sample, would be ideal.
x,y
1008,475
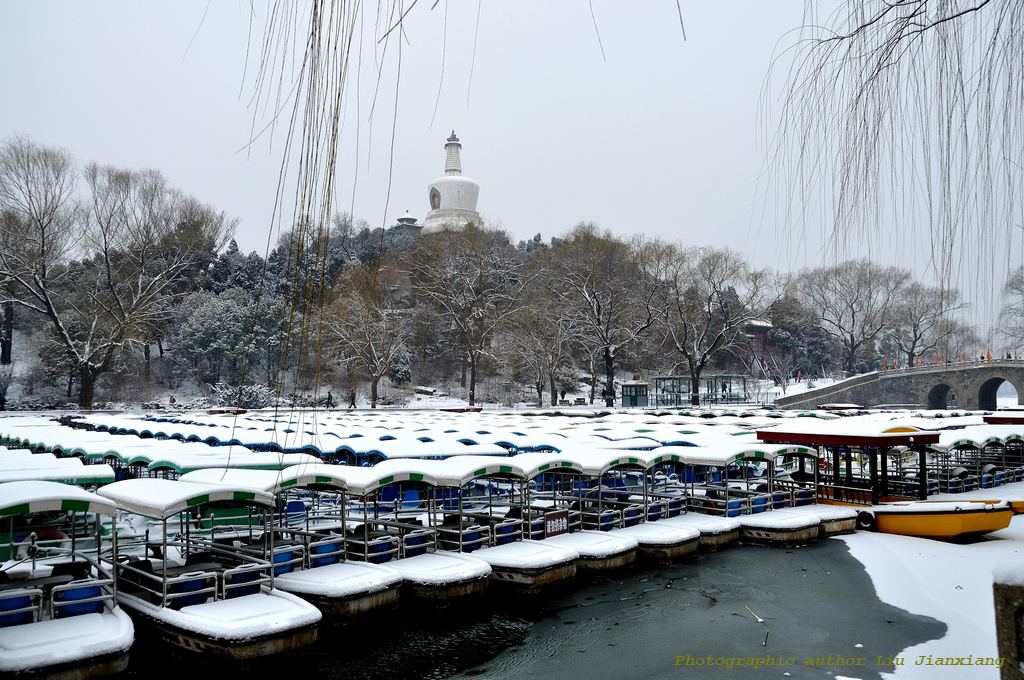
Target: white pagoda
x,y
452,196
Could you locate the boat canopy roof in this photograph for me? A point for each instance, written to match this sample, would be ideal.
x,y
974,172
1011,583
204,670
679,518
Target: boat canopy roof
x,y
457,472
22,498
1014,417
976,437
163,498
360,481
411,447
81,475
724,454
635,443
596,462
19,465
221,457
843,433
269,481
534,463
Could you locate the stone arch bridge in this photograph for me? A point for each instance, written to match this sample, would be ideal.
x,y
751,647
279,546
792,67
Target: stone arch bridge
x,y
971,385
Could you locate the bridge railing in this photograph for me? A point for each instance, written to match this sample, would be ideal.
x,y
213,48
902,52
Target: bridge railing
x,y
969,363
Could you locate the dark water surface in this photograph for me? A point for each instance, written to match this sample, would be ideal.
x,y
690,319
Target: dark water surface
x,y
815,602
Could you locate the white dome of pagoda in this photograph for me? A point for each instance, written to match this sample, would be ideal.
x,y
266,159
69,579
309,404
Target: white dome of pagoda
x,y
452,196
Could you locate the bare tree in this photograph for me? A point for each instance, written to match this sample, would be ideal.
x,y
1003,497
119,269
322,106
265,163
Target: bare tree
x,y
475,280
6,378
1013,308
918,319
134,237
961,340
541,335
7,232
613,299
780,366
367,323
854,301
713,296
904,113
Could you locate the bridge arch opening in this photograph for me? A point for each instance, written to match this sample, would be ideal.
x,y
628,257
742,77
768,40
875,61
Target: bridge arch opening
x,y
939,397
996,390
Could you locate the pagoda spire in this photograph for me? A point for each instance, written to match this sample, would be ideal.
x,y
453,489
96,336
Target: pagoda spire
x,y
453,159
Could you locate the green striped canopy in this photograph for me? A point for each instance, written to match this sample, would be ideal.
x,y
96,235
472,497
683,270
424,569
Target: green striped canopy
x,y
22,498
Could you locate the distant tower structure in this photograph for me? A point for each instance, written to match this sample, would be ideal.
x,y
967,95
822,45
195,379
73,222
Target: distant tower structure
x,y
406,226
452,196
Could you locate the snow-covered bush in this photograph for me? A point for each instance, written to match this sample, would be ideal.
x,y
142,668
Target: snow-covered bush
x,y
400,368
244,396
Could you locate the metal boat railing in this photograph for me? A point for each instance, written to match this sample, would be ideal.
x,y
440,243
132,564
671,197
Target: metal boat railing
x,y
211,570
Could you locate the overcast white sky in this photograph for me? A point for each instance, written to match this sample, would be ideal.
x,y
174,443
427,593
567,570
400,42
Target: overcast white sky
x,y
662,137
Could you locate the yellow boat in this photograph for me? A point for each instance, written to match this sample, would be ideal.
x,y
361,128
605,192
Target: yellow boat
x,y
937,519
1017,505
871,486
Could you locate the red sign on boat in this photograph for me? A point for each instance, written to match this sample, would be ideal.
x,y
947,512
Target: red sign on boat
x,y
556,523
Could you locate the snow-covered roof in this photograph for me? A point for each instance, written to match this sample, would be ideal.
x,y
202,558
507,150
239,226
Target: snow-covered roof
x,y
724,454
163,498
20,498
599,461
974,437
413,447
81,475
457,472
270,481
360,481
20,465
534,463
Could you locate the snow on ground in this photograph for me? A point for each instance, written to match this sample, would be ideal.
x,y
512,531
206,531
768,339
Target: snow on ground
x,y
801,386
945,581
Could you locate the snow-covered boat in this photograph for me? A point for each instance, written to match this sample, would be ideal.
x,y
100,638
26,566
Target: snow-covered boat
x,y
475,515
882,471
389,523
613,496
715,532
553,512
780,528
735,480
308,547
937,519
196,588
58,612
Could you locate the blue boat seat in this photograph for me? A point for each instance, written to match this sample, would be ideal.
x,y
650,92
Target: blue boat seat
x,y
505,532
326,553
66,602
11,603
295,511
188,587
250,577
283,556
416,543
